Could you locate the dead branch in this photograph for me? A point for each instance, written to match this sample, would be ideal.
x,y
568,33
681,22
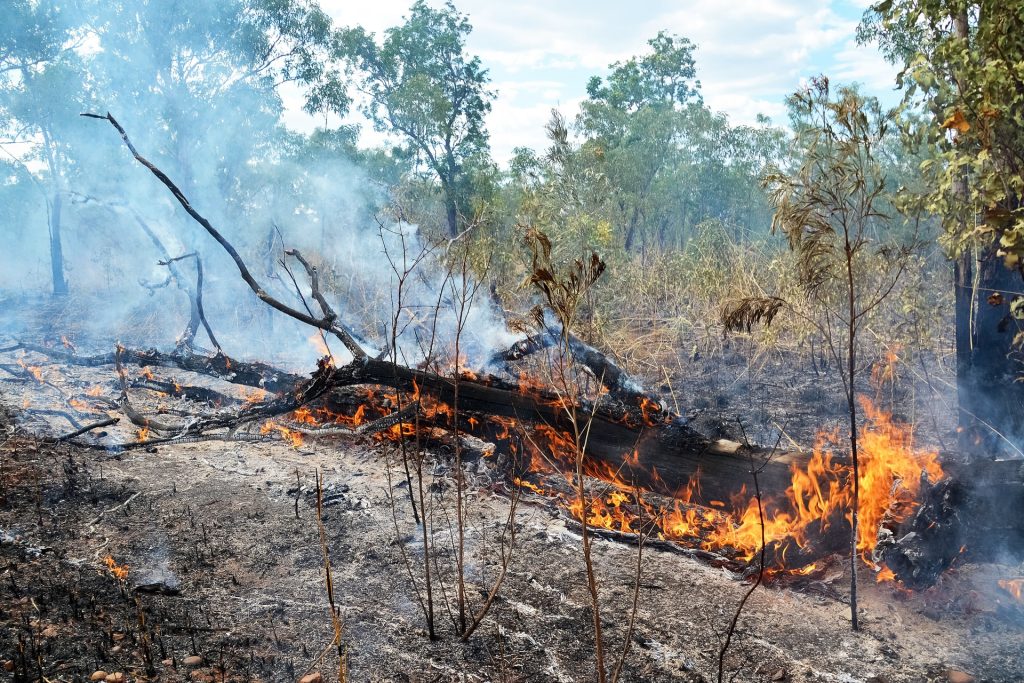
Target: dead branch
x,y
326,323
190,333
88,428
252,374
619,384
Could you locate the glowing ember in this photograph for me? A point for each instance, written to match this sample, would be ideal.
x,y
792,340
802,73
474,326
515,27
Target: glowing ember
x,y
1014,587
253,396
67,343
143,434
35,371
147,372
79,405
95,391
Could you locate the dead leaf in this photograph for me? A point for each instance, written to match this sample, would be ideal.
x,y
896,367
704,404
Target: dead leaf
x,y
957,121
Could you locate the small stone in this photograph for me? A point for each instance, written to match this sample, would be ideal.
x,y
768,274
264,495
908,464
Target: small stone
x,y
192,660
779,675
314,677
98,676
9,665
957,676
118,636
117,677
878,678
167,662
114,650
49,632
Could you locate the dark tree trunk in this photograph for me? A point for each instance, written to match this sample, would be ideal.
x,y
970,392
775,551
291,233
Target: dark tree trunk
x,y
991,400
452,213
60,284
451,205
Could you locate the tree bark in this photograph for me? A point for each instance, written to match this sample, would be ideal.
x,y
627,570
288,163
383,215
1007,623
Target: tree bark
x,y
60,284
991,400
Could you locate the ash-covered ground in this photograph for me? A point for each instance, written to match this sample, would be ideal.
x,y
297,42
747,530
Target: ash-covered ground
x,y
225,580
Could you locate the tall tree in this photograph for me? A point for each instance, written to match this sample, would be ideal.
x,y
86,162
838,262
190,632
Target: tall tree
x,y
633,119
962,61
202,81
42,85
421,85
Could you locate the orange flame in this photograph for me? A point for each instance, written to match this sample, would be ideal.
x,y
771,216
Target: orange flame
x,y
318,342
1014,587
290,435
253,396
891,470
118,571
35,371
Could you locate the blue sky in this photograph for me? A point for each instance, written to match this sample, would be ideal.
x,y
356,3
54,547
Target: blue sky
x,y
750,53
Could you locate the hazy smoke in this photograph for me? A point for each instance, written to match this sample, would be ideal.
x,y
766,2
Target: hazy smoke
x,y
189,104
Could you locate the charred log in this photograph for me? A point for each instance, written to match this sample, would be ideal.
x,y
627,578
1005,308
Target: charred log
x,y
250,374
978,509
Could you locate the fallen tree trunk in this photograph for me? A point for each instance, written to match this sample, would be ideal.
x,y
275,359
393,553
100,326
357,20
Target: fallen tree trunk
x,y
250,374
661,457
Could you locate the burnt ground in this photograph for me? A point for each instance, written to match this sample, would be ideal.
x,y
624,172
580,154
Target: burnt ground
x,y
224,562
216,525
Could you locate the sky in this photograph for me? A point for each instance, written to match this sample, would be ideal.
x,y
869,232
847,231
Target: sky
x,y
540,54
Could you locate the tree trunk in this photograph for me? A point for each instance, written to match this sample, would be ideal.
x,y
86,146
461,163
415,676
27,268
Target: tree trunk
x,y
451,212
60,284
991,401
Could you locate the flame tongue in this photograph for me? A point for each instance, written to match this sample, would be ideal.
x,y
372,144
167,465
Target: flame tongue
x,y
1014,587
819,496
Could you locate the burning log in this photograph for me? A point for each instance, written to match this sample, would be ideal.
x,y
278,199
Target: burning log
x,y
977,509
619,384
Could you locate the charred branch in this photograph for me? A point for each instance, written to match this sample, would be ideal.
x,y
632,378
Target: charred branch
x,y
619,384
977,509
196,299
326,323
251,374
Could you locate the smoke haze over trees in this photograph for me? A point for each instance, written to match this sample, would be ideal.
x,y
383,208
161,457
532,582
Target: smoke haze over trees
x,y
645,171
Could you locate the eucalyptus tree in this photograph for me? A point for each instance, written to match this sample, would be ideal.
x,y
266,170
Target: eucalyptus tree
x,y
201,82
835,210
668,161
420,85
961,62
633,119
42,90
200,79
